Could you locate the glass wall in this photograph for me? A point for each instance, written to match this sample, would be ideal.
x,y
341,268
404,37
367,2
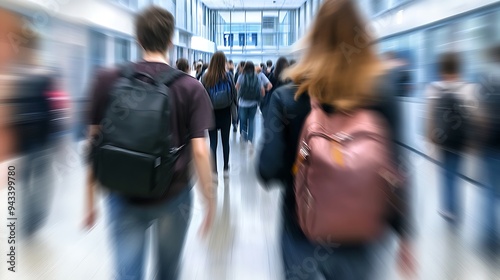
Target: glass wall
x,y
122,50
253,32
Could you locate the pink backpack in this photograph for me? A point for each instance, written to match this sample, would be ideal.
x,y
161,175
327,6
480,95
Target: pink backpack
x,y
343,176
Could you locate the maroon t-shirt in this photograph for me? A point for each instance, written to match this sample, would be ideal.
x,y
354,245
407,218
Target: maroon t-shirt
x,y
191,115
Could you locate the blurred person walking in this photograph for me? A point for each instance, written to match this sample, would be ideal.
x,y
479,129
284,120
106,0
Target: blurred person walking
x,y
220,87
147,123
239,70
230,68
449,128
193,70
235,115
250,91
199,70
39,115
266,84
269,68
336,82
487,135
204,68
276,81
183,65
398,72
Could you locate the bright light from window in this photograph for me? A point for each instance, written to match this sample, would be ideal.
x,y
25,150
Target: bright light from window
x,y
399,17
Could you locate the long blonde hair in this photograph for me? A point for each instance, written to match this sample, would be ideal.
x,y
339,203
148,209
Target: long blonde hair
x,y
340,64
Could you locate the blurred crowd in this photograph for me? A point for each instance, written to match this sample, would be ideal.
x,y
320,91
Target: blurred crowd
x,y
35,117
340,96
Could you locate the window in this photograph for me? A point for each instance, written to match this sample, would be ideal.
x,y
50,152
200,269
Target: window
x,y
378,6
269,40
169,5
97,49
269,23
253,28
122,50
139,51
475,34
132,4
189,16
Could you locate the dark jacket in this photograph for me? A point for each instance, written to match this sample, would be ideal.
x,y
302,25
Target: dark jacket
x,y
283,127
277,83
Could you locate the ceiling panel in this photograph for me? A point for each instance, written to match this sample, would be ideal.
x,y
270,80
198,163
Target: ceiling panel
x,y
253,4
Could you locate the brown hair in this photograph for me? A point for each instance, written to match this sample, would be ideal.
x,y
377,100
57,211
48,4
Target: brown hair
x,y
22,40
249,68
216,71
182,64
154,29
449,64
281,65
340,64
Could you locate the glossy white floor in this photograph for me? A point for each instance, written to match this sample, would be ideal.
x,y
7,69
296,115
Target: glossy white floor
x,y
244,242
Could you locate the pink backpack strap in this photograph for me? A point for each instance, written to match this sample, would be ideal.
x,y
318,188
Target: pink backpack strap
x,y
315,104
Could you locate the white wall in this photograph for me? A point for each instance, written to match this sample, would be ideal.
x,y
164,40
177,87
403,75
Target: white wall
x,y
102,13
422,12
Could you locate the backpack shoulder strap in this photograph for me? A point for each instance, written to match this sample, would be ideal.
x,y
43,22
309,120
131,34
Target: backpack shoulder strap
x,y
168,77
127,70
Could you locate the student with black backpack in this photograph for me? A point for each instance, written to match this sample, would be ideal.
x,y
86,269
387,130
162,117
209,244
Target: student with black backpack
x,y
147,123
449,127
222,93
250,90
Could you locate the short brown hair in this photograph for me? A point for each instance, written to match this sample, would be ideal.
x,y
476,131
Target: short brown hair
x,y
154,29
449,64
183,65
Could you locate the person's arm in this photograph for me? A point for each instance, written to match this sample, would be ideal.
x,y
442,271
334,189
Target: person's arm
x,y
99,99
91,183
202,163
234,93
262,84
200,119
269,87
239,81
267,84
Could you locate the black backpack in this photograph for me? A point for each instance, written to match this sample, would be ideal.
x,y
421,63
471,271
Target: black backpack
x,y
451,120
250,88
221,94
136,157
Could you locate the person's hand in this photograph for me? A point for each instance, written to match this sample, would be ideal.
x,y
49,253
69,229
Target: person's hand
x,y
406,260
90,218
208,220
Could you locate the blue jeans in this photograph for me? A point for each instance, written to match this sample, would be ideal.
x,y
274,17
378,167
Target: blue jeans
x,y
492,190
36,190
129,223
305,260
451,194
247,122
